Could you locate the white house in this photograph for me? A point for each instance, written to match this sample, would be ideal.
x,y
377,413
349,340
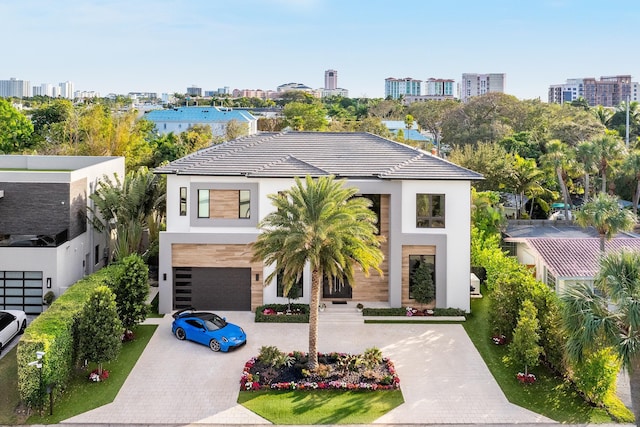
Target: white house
x,y
217,196
46,242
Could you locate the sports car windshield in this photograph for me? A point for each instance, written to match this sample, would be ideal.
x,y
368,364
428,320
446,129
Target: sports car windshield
x,y
214,322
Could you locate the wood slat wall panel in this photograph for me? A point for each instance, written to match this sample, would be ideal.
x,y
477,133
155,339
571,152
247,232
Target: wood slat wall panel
x,y
224,204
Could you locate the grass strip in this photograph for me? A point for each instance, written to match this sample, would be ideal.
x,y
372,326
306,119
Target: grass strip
x,y
83,395
9,395
549,395
320,406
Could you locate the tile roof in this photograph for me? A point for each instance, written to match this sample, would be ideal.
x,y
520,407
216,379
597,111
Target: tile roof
x,y
289,154
577,258
198,115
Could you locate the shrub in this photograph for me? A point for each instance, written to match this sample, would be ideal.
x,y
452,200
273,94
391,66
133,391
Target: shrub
x,y
283,318
269,355
372,357
130,286
524,348
595,376
402,311
424,289
48,297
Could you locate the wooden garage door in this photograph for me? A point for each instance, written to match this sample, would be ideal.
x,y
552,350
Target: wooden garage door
x,y
212,288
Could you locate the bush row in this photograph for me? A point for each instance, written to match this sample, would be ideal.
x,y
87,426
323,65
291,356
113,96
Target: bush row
x,y
401,311
303,317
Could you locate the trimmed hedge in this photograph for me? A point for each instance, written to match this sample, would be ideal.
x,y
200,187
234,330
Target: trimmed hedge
x,y
402,311
53,332
283,318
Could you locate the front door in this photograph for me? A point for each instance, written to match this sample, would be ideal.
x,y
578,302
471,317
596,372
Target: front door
x,y
335,289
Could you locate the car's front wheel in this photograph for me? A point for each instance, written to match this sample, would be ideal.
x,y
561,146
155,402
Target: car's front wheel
x,y
23,326
181,334
214,345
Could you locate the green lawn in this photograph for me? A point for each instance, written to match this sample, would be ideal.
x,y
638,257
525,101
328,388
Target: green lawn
x,y
83,395
9,398
321,406
549,396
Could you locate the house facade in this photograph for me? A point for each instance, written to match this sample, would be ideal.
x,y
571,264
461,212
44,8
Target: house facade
x,y
217,197
46,242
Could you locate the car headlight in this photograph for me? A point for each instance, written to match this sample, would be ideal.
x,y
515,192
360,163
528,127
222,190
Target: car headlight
x,y
225,339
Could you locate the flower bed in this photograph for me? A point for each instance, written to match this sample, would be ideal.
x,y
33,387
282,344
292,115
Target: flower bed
x,y
336,371
403,311
283,313
526,379
95,376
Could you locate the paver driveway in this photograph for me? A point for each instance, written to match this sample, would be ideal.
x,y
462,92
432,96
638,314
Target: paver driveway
x,y
443,378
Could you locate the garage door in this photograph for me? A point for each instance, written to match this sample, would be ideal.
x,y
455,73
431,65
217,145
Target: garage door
x,y
212,288
21,290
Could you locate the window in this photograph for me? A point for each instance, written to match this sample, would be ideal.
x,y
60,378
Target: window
x,y
295,292
224,204
183,201
414,262
96,255
430,210
550,279
203,203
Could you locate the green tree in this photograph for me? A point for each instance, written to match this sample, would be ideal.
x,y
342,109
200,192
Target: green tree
x,y
524,348
99,328
130,205
558,158
608,315
55,111
408,123
423,289
15,129
235,129
431,114
602,114
609,149
489,159
631,166
526,180
487,214
304,116
131,289
587,155
318,223
605,215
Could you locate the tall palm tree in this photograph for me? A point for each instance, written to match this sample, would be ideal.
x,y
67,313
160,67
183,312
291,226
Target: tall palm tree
x,y
610,148
603,114
559,157
631,166
586,154
526,180
592,322
606,216
319,223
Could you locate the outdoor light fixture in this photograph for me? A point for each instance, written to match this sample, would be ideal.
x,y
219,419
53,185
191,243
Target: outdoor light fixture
x,y
48,282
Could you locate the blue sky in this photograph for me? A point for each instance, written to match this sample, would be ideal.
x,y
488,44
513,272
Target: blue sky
x,y
168,45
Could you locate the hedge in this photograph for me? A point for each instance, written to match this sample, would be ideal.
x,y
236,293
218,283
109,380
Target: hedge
x,y
53,332
283,318
402,311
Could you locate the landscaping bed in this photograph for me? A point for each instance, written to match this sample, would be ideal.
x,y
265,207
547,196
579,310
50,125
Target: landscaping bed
x,y
283,313
274,370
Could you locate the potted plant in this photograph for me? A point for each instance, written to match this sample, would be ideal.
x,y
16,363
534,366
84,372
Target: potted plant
x,y
48,298
359,306
322,306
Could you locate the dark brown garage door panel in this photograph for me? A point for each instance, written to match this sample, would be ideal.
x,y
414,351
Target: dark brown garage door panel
x,y
217,288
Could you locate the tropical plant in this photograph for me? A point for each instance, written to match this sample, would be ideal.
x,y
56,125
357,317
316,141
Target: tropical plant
x,y
606,216
586,155
631,166
99,328
423,289
130,286
609,149
608,315
524,348
558,158
487,214
526,180
318,223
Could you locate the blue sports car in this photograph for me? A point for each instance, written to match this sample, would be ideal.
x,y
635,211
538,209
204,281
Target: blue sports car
x,y
208,329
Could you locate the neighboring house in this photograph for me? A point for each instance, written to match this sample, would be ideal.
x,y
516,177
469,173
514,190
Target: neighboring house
x,y
180,119
412,134
217,196
562,254
46,242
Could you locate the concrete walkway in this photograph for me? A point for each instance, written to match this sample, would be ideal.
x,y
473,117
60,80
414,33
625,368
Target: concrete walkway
x,y
443,377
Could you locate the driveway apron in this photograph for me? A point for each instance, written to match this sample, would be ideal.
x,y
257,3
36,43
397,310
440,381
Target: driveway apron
x,y
443,378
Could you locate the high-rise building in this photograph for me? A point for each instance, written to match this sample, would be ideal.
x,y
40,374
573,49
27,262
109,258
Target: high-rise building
x,y
331,79
66,90
13,88
608,91
479,84
395,88
194,91
439,87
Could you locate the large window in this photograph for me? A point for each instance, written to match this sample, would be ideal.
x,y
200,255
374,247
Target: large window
x,y
414,262
375,207
224,204
430,210
295,292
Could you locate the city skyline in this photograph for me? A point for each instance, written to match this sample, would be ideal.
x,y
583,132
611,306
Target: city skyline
x,y
120,46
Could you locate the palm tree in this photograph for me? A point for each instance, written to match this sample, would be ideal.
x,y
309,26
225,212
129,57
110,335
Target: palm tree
x,y
586,154
603,114
558,158
606,216
631,166
321,224
592,322
526,181
609,148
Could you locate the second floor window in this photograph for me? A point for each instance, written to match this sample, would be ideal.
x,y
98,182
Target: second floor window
x,y
430,211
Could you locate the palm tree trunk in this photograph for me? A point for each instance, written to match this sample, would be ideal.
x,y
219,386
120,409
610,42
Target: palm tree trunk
x,y
565,193
636,199
313,320
634,386
602,238
586,188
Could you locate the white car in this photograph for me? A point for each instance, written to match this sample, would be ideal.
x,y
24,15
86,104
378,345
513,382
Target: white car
x,y
12,323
